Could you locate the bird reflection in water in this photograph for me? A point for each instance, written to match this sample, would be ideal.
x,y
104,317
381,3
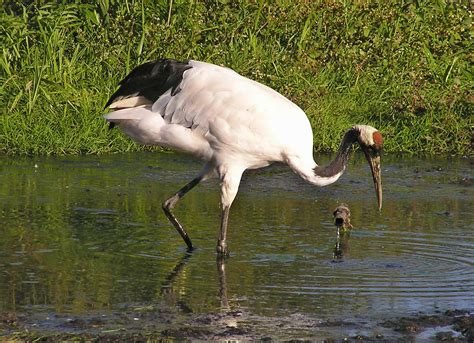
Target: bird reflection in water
x,y
341,248
222,284
168,286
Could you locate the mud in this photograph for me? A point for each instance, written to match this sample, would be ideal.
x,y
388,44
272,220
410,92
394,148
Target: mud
x,y
155,324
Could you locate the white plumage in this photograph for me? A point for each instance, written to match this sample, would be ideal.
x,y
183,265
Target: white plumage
x,y
229,121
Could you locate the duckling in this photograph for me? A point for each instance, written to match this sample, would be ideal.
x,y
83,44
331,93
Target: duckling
x,y
342,216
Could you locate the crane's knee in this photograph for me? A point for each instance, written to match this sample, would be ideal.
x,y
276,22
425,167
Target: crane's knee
x,y
169,203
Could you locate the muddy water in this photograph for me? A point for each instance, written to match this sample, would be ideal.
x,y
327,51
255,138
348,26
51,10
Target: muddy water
x,y
84,236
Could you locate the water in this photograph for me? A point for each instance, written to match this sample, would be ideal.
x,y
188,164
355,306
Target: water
x,y
83,235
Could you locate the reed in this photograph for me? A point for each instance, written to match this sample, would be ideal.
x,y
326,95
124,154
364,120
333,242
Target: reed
x,y
401,66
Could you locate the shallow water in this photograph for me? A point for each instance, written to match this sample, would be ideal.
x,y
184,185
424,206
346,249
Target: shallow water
x,y
83,235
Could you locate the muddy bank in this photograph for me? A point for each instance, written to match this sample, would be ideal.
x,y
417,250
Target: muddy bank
x,y
152,324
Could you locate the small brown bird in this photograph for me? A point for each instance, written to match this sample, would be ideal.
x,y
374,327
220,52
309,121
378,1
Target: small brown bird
x,y
342,216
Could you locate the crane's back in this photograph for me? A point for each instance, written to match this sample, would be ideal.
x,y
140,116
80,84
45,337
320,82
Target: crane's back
x,y
215,113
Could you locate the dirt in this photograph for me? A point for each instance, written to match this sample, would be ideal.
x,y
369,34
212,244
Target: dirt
x,y
138,326
459,323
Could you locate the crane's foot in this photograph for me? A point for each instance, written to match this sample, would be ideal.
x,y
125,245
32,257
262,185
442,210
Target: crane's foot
x,y
221,248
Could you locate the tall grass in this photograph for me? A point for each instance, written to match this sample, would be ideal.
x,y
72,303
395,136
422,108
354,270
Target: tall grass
x,y
401,66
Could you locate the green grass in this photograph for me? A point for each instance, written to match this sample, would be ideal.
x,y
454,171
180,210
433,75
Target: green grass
x,y
402,66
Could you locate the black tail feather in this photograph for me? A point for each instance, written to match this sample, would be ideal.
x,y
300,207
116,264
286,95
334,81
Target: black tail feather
x,y
151,80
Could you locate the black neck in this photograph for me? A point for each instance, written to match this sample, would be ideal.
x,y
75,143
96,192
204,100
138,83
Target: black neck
x,y
340,162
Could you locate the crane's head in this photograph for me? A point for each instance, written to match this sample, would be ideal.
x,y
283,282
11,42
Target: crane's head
x,y
370,141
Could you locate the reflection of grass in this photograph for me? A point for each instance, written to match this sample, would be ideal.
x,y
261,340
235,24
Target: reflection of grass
x,y
403,69
81,234
112,245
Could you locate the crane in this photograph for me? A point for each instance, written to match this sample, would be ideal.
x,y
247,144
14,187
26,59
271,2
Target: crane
x,y
232,123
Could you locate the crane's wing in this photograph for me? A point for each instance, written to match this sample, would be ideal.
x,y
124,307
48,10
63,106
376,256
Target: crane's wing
x,y
215,103
212,95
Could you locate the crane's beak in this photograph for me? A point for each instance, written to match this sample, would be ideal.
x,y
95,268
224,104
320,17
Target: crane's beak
x,y
374,162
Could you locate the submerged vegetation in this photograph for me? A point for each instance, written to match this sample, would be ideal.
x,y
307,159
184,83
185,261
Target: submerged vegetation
x,y
401,66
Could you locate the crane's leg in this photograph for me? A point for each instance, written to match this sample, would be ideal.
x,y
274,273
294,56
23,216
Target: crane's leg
x,y
230,180
169,204
221,242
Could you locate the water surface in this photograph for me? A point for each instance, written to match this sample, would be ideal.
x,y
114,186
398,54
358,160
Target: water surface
x,y
83,235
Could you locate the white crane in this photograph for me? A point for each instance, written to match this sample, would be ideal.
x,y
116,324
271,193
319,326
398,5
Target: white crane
x,y
230,122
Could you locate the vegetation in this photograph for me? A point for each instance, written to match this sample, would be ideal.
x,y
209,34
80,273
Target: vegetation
x,y
402,66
